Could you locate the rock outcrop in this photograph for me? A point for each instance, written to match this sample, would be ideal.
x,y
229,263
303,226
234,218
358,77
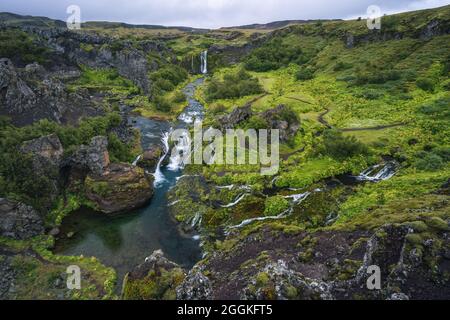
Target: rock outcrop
x,y
46,151
19,221
32,94
120,188
93,158
238,115
283,119
46,154
155,279
150,158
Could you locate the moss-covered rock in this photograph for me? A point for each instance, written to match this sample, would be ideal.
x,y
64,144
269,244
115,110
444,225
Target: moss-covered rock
x,y
120,188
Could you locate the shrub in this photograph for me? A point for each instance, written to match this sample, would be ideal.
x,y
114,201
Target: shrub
x,y
377,77
425,84
273,55
304,74
338,146
233,85
342,66
162,104
179,97
429,162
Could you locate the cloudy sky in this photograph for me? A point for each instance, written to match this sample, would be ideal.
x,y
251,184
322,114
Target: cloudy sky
x,y
210,13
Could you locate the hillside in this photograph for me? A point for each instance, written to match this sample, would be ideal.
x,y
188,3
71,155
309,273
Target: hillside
x,y
363,176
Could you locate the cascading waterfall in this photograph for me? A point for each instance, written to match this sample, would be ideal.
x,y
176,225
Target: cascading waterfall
x,y
159,176
204,62
180,153
379,172
295,200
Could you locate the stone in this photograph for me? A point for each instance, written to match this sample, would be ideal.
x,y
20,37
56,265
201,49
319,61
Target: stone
x,y
120,188
19,221
196,286
46,151
93,158
150,158
237,116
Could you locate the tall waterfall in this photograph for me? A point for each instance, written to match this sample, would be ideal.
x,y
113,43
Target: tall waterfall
x,y
180,153
204,62
159,176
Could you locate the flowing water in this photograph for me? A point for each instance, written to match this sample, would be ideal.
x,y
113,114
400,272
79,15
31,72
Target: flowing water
x,y
123,241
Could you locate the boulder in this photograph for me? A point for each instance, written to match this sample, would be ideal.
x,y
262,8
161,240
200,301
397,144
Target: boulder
x,y
19,221
196,286
150,158
155,279
46,151
283,119
18,97
93,158
46,154
120,188
238,115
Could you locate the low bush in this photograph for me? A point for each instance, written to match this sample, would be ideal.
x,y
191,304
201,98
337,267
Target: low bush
x,y
234,85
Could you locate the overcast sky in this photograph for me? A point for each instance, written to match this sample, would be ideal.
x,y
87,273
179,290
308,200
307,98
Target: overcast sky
x,y
210,13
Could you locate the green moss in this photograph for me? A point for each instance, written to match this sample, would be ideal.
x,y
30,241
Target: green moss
x,y
275,205
438,223
155,286
262,279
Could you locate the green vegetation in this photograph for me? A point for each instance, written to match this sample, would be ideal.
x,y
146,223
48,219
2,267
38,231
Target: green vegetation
x,y
233,85
20,48
17,168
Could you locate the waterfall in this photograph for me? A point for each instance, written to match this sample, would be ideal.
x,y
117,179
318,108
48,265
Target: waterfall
x,y
135,162
239,199
379,172
180,153
204,62
159,176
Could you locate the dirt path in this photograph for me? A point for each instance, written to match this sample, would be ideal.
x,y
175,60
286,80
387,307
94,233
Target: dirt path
x,y
322,120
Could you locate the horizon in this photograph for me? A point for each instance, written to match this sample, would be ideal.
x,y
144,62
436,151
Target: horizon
x,y
215,14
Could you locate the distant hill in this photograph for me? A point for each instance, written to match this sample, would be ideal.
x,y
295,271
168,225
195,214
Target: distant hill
x,y
16,20
277,24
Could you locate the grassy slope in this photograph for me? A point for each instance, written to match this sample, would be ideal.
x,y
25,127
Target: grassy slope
x,y
397,102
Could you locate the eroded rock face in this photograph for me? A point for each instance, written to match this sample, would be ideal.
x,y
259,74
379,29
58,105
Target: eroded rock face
x,y
31,94
237,116
132,64
19,221
46,150
196,286
120,188
155,279
93,158
46,154
18,96
283,119
150,158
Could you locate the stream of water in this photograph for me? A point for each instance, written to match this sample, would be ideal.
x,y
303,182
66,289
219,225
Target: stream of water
x,y
124,241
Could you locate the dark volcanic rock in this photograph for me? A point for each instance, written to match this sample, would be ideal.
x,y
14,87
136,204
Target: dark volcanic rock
x,y
46,154
238,115
150,158
32,94
283,119
19,221
120,188
93,158
156,278
196,286
46,151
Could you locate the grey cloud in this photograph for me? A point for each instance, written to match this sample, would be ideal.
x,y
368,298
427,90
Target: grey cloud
x,y
210,13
